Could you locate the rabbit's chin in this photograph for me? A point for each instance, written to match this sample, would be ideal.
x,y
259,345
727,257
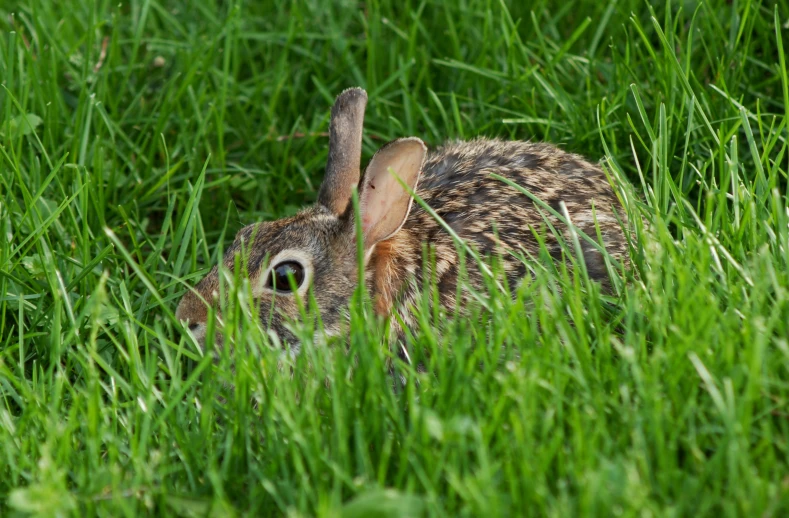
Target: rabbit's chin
x,y
285,341
292,348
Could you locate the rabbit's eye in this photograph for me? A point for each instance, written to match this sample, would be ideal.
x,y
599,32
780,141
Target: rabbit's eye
x,y
278,278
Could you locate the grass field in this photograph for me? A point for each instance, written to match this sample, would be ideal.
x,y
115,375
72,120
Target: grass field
x,y
137,137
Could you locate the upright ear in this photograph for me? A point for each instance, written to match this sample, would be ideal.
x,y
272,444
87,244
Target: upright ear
x,y
383,202
345,150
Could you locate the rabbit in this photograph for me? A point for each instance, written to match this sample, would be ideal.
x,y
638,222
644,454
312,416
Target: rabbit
x,y
317,247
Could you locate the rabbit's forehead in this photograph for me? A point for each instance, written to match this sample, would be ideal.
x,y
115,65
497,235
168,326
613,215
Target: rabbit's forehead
x,y
308,235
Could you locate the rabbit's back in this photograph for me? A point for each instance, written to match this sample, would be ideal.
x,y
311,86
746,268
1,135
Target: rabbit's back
x,y
498,219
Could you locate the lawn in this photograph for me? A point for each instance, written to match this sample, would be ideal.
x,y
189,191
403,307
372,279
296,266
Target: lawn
x,y
137,137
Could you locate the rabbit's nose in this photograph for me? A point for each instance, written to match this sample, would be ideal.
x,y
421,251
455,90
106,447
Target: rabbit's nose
x,y
191,310
196,331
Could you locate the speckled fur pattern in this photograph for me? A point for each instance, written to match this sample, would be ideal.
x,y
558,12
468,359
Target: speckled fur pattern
x,y
491,216
494,218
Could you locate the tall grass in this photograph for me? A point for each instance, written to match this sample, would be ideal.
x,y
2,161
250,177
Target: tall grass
x,y
137,138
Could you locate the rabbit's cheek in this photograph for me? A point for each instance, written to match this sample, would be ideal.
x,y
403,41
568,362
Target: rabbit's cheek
x,y
322,337
275,317
286,308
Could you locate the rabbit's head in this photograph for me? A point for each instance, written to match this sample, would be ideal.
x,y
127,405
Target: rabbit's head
x,y
315,251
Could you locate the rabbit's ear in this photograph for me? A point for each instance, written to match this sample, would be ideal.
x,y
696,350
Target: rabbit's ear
x,y
345,150
383,202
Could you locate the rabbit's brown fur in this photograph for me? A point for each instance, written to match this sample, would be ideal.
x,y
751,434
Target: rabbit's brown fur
x,y
455,181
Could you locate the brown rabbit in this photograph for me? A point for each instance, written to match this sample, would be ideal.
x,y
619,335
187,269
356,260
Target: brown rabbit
x,y
316,248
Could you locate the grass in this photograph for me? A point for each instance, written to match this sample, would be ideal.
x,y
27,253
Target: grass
x,y
136,138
